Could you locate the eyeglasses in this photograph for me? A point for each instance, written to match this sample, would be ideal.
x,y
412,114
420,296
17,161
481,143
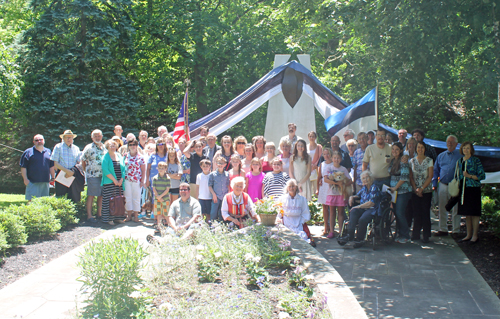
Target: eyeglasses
x,y
183,190
241,143
160,144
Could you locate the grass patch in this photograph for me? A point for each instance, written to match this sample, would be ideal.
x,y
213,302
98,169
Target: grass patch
x,y
11,199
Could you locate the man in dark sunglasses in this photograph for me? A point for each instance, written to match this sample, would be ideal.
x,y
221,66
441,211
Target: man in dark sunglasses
x,y
37,169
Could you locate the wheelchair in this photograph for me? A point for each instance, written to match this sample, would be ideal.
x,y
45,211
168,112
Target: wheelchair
x,y
382,228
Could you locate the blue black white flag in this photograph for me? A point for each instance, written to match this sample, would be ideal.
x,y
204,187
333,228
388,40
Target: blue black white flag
x,y
359,117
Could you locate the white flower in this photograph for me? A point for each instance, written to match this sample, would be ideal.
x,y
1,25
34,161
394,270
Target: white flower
x,y
249,256
256,259
200,247
199,257
218,254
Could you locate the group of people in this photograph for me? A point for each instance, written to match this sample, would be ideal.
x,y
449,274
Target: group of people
x,y
186,182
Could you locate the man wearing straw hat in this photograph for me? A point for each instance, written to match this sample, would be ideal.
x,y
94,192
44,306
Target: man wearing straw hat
x,y
65,156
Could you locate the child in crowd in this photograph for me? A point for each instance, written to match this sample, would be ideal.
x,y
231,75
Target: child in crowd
x,y
236,168
218,184
325,169
161,188
335,198
202,189
254,180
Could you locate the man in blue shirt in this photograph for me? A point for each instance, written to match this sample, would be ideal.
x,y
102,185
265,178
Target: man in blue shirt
x,y
65,156
37,169
444,169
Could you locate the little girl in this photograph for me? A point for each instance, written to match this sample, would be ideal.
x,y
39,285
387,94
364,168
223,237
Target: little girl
x,y
325,169
236,169
335,199
254,180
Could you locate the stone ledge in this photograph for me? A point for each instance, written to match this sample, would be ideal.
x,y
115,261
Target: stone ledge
x,y
341,301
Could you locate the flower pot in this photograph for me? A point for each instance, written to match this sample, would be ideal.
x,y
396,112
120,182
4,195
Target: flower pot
x,y
268,219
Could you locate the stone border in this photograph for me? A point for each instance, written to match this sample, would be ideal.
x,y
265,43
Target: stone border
x,y
341,301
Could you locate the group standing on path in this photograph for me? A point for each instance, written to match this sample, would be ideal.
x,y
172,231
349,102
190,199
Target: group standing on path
x,y
151,173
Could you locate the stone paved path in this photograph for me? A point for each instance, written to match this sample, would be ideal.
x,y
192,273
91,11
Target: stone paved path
x,y
52,291
435,280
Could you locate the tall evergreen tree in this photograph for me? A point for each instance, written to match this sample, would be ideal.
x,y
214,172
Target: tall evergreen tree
x,y
74,67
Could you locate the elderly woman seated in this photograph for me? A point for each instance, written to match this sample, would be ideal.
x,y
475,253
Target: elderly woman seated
x,y
362,214
295,210
237,206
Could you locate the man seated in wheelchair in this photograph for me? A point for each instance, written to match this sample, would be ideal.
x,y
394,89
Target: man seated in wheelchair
x,y
361,215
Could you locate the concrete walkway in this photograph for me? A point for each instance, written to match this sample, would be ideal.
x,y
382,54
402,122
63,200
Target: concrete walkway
x,y
434,280
52,291
394,281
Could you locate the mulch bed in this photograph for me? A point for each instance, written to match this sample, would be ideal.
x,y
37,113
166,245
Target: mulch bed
x,y
485,256
24,259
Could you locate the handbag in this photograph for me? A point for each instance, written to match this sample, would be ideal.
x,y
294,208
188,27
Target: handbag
x,y
454,185
117,204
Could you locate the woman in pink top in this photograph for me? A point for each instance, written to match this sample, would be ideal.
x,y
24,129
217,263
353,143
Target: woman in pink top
x,y
254,180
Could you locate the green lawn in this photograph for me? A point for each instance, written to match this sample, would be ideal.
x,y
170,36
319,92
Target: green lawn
x,y
8,199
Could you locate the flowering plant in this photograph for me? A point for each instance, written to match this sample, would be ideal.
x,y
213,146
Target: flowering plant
x,y
268,206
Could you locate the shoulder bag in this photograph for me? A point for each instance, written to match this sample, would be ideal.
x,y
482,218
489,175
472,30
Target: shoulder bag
x,y
454,185
117,204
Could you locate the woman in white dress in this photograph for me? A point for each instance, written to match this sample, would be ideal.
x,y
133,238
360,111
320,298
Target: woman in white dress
x,y
300,168
295,210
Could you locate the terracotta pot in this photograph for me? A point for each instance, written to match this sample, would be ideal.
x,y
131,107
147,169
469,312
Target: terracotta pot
x,y
268,220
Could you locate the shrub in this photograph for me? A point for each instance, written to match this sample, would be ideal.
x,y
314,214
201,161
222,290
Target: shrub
x,y
39,219
491,214
110,269
3,240
64,209
13,226
316,211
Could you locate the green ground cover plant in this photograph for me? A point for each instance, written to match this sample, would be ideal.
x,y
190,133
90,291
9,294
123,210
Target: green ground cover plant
x,y
13,226
65,209
110,277
250,273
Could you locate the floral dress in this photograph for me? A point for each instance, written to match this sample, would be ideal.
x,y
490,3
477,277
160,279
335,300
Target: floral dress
x,y
186,164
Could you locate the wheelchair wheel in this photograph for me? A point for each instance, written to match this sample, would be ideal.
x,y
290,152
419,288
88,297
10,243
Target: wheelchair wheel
x,y
387,227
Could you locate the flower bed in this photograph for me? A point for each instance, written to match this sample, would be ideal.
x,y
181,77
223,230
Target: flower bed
x,y
222,274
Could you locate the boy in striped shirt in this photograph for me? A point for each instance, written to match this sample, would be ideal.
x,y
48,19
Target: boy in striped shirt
x,y
161,187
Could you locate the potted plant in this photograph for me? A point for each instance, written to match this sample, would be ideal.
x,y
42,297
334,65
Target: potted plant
x,y
268,209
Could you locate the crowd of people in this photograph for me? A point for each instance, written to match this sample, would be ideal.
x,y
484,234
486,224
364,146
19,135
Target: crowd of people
x,y
189,182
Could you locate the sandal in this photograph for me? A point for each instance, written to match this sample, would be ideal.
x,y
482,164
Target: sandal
x,y
111,223
136,220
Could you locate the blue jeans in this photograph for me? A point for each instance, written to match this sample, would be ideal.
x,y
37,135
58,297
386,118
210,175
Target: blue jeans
x,y
400,210
215,211
360,217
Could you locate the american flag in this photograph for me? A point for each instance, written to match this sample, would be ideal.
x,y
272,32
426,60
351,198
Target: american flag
x,y
181,127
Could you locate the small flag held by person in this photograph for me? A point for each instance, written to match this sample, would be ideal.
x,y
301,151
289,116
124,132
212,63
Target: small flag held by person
x,y
181,126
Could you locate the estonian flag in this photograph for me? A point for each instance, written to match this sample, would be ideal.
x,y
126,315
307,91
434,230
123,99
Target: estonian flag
x,y
359,117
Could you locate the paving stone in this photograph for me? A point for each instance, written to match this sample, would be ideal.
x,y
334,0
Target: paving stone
x,y
487,301
419,283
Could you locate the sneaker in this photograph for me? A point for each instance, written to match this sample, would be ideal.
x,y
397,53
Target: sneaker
x,y
358,244
151,240
402,240
330,235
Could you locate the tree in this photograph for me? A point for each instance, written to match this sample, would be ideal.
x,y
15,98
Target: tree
x,y
74,68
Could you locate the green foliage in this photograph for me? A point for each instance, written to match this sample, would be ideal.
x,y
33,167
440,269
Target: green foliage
x,y
74,68
491,211
39,219
3,240
316,211
64,209
13,226
110,271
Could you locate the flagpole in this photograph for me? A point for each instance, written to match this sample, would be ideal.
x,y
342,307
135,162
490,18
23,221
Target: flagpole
x,y
376,103
186,112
